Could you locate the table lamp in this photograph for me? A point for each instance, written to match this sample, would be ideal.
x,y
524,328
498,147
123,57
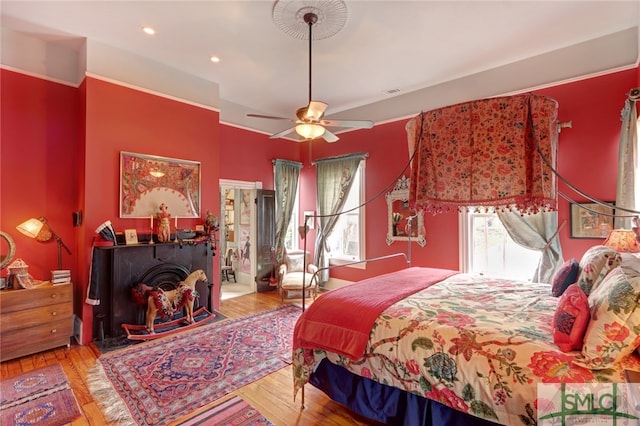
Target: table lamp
x,y
622,240
40,230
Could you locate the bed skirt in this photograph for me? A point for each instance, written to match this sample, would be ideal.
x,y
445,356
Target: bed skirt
x,y
384,403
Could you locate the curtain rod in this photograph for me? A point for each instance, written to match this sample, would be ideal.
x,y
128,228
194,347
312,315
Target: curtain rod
x,y
338,157
294,163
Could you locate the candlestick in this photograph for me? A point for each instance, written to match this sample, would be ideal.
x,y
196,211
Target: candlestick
x,y
151,235
175,225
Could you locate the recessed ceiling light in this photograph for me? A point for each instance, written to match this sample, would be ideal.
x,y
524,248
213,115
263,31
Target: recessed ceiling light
x,y
215,59
148,30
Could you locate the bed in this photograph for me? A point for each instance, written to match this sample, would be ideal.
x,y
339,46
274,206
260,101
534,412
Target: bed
x,y
430,346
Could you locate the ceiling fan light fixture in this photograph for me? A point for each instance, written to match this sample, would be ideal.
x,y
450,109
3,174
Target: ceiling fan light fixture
x,y
309,131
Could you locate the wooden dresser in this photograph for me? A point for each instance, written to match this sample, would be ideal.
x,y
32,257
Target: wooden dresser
x,y
35,320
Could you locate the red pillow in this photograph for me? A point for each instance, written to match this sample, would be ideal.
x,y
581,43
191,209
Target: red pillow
x,y
566,275
571,319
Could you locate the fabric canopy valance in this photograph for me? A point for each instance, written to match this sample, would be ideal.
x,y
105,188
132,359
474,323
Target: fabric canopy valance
x,y
486,153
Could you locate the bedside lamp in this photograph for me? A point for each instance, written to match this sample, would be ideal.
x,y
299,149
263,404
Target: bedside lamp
x,y
622,240
42,231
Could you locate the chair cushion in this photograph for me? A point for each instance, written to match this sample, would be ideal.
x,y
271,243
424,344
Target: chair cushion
x,y
293,280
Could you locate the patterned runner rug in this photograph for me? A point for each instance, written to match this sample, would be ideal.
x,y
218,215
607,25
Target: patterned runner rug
x,y
39,397
232,412
162,380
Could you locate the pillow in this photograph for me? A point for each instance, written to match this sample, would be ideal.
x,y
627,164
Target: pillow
x,y
566,275
630,263
571,319
614,329
595,265
295,262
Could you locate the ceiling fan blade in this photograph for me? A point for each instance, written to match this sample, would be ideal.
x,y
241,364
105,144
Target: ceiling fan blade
x,y
316,110
270,117
282,133
354,124
329,137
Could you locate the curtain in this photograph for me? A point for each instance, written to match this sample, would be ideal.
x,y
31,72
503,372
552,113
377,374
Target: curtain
x,y
486,153
286,176
536,232
334,178
627,164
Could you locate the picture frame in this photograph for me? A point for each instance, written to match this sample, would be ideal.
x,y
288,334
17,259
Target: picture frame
x,y
130,236
591,220
311,222
146,181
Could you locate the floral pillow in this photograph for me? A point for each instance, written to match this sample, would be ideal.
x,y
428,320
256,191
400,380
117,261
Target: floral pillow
x,y
595,265
566,275
571,319
614,329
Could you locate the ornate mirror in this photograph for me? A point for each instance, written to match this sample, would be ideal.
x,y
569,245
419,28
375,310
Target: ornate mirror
x,y
401,224
7,249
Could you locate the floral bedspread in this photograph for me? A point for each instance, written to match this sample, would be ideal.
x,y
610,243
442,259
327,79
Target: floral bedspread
x,y
475,344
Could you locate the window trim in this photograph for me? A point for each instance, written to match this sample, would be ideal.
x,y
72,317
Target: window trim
x,y
362,234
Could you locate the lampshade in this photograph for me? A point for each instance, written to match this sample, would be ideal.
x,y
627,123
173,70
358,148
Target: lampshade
x,y
310,131
622,240
35,228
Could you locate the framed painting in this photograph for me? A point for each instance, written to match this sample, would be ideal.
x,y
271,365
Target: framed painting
x,y
146,181
130,236
591,220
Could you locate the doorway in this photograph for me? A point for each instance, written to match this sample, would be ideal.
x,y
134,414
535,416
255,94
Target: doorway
x,y
237,238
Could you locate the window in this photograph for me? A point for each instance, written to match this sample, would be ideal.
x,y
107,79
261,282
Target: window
x,y
486,248
347,241
291,238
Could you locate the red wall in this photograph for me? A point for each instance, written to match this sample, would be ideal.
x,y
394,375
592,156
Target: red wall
x,y
60,153
38,167
248,156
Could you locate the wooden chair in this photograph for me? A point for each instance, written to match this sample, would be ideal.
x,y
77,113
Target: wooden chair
x,y
290,275
227,268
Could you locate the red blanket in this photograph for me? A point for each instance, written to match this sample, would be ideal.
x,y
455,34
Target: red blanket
x,y
340,321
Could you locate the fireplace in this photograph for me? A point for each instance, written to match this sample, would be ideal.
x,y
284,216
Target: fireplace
x,y
120,268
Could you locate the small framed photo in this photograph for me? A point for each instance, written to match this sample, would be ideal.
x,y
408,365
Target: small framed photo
x,y
130,236
591,220
312,220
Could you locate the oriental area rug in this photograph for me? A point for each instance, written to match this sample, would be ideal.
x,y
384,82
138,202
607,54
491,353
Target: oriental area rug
x,y
232,412
165,379
40,397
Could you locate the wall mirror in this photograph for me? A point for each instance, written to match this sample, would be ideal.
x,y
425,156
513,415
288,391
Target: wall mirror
x,y
399,227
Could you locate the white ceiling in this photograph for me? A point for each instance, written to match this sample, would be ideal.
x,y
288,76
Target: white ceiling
x,y
415,49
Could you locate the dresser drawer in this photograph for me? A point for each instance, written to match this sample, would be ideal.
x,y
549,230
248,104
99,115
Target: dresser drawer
x,y
20,320
18,300
36,319
29,340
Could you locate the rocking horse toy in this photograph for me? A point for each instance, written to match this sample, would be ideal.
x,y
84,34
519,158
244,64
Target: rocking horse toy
x,y
166,303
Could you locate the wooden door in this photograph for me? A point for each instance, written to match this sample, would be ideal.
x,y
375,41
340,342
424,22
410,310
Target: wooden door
x,y
265,239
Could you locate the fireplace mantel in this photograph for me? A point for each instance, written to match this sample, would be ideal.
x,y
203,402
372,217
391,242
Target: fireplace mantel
x,y
122,267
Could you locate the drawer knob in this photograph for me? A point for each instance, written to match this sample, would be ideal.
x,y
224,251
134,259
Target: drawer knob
x,y
54,313
53,296
54,331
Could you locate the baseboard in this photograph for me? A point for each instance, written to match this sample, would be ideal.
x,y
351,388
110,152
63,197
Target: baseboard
x,y
334,283
77,329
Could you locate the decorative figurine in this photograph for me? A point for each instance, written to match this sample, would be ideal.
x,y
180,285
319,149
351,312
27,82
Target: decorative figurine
x,y
164,224
210,225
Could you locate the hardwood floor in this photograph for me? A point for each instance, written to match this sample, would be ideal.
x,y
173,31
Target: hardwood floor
x,y
271,395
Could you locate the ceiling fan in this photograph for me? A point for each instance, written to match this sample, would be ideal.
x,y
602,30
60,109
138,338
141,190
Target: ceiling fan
x,y
309,123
